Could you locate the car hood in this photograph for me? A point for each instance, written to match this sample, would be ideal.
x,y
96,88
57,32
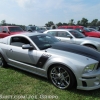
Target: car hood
x,y
91,39
96,32
18,32
92,33
77,49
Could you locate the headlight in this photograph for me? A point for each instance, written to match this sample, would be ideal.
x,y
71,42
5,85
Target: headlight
x,y
90,68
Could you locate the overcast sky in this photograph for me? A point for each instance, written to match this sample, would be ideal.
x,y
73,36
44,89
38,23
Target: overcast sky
x,y
39,12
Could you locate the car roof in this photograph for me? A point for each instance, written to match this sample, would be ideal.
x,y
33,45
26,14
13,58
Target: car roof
x,y
60,29
71,26
25,34
28,34
9,26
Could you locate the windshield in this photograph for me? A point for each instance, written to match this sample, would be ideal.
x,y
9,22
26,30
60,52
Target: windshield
x,y
87,30
15,29
91,29
78,29
43,41
35,28
77,34
48,28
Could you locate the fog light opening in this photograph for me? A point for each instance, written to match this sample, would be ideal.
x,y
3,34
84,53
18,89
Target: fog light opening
x,y
96,83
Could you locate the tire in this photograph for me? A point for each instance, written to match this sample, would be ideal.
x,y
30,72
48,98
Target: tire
x,y
90,46
62,77
3,63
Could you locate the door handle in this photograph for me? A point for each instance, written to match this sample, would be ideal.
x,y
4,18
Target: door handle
x,y
11,50
59,39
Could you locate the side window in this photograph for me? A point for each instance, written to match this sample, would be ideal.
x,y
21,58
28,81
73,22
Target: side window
x,y
19,41
5,30
53,33
0,29
63,34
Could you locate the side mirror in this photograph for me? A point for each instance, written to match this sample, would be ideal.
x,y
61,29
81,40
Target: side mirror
x,y
69,36
4,31
27,46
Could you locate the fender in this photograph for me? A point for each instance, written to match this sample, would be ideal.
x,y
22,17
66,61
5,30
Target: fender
x,y
95,44
73,64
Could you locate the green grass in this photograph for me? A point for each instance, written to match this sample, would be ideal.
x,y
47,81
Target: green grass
x,y
16,84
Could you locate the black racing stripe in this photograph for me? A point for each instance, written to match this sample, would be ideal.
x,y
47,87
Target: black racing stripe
x,y
78,49
43,59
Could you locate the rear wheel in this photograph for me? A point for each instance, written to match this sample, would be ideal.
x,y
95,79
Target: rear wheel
x,y
91,46
62,77
3,63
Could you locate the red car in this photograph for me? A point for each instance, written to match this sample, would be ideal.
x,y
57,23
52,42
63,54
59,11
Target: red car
x,y
82,29
10,30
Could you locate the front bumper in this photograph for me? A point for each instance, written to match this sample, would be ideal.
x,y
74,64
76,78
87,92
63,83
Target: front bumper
x,y
89,81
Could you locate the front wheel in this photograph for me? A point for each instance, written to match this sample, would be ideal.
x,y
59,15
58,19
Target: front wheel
x,y
3,63
62,77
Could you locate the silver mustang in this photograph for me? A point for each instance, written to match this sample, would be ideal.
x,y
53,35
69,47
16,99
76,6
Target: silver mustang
x,y
66,65
75,37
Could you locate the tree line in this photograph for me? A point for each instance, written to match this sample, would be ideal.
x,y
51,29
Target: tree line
x,y
3,23
82,22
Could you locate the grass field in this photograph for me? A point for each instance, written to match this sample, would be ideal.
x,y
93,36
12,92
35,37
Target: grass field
x,y
20,85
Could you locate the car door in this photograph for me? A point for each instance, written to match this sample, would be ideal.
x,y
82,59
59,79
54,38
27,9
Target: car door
x,y
19,56
65,37
3,32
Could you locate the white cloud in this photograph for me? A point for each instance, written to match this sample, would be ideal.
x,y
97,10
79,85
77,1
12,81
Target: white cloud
x,y
7,18
26,3
39,12
36,4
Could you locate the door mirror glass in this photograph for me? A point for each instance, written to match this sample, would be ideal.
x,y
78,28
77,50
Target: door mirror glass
x,y
27,46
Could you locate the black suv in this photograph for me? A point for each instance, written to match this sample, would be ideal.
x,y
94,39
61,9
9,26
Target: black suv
x,y
33,29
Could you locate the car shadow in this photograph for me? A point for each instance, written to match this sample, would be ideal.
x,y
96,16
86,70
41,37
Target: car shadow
x,y
88,93
29,74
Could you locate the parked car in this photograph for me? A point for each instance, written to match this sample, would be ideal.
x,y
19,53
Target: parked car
x,y
95,27
75,37
33,29
64,64
92,29
10,30
82,29
91,33
71,27
44,28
